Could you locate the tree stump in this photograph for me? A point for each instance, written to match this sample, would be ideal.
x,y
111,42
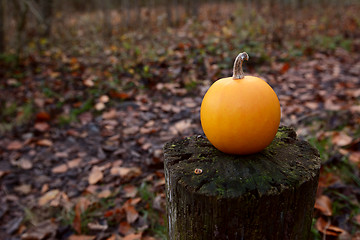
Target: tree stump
x,y
267,195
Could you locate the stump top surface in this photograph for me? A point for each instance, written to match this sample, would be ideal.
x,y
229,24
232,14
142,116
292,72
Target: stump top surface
x,y
286,163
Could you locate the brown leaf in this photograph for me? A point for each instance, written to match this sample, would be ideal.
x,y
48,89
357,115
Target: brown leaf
x,y
125,228
100,106
25,163
126,172
80,207
104,193
323,204
47,197
44,143
104,99
3,173
95,175
23,189
341,139
130,191
14,145
42,126
41,231
42,117
131,213
112,114
326,228
354,157
133,236
60,169
74,163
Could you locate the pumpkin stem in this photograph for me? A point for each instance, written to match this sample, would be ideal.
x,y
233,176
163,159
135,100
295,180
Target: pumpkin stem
x,y
238,72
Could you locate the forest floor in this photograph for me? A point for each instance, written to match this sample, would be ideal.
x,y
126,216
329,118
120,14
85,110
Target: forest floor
x,y
82,133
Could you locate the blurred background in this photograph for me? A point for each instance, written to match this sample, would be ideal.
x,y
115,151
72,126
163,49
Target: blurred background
x,y
91,90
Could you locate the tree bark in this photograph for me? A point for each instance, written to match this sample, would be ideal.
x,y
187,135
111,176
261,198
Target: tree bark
x,y
267,195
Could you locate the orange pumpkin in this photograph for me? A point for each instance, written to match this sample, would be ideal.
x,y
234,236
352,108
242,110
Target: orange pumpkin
x,y
240,114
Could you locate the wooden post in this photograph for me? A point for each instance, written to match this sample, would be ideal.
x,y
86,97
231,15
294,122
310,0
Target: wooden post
x,y
268,195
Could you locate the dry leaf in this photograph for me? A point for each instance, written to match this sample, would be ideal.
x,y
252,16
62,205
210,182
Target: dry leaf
x,y
3,173
133,236
100,106
104,193
104,99
341,139
74,163
130,191
95,175
47,197
125,228
42,126
97,227
41,231
354,157
81,237
323,204
326,228
44,143
60,169
14,145
25,163
112,114
23,189
131,213
126,172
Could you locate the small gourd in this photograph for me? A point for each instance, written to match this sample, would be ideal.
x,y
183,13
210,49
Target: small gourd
x,y
240,114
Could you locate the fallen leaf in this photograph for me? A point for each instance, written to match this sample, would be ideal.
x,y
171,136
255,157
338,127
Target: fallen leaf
x,y
44,143
130,191
25,163
14,145
125,228
97,226
3,173
326,228
131,213
104,193
46,229
323,204
74,163
81,237
88,82
100,106
42,126
23,189
104,99
341,139
133,236
112,114
60,169
47,197
354,157
126,172
95,175
42,117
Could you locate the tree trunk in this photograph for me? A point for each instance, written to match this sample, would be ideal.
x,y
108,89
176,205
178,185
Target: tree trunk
x,y
268,195
2,26
47,14
107,26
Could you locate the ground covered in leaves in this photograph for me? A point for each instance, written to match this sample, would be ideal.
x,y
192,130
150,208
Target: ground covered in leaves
x,y
82,132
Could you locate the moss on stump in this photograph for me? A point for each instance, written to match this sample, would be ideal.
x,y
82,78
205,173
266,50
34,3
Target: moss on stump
x,y
267,195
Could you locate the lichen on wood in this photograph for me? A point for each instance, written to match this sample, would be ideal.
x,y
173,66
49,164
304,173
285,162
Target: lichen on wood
x,y
267,195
